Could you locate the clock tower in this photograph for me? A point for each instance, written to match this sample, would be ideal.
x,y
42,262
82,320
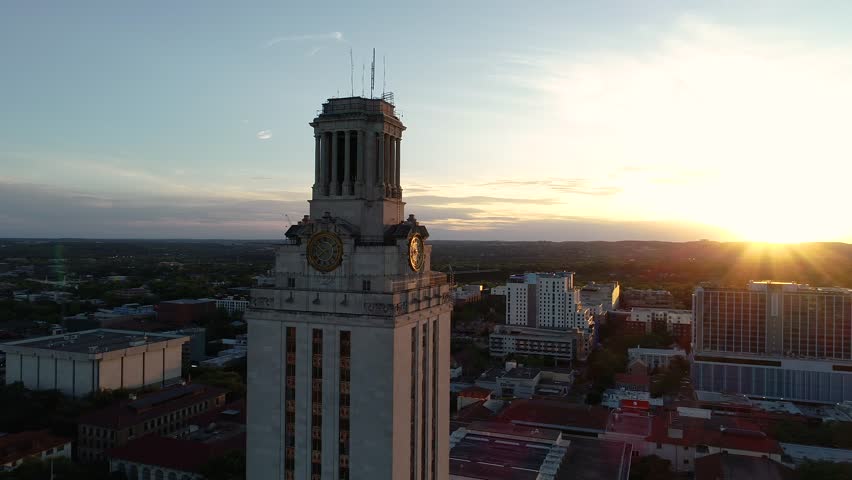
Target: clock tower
x,y
348,366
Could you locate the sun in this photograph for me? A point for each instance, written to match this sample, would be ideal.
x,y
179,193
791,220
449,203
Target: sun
x,y
779,227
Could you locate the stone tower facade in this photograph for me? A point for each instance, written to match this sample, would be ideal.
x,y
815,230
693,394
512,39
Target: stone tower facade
x,y
348,367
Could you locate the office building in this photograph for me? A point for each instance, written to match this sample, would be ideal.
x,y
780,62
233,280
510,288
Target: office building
x,y
678,323
776,340
165,412
499,290
562,344
348,370
605,295
80,363
467,294
526,382
634,297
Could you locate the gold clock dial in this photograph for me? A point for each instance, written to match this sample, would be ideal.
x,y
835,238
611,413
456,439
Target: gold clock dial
x,y
325,251
416,252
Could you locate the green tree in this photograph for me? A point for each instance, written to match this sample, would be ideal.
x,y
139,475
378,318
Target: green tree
x,y
824,471
652,467
63,469
228,379
230,466
669,380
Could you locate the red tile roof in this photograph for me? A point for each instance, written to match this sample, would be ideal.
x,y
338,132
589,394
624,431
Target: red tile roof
x,y
20,445
556,414
183,455
132,412
475,392
726,432
473,412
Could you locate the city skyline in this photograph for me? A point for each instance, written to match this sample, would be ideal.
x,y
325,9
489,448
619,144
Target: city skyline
x,y
600,123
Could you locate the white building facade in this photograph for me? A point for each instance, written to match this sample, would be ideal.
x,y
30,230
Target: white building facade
x,y
655,357
232,304
348,371
92,360
545,300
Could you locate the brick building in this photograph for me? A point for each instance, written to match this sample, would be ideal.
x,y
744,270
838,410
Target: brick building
x,y
165,412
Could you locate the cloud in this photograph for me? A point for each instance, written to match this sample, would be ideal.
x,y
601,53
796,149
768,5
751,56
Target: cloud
x,y
264,134
333,36
700,120
314,51
472,200
35,210
575,185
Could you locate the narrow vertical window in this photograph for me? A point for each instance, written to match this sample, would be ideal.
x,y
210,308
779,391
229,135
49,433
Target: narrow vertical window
x,y
413,401
316,405
424,402
290,404
343,419
435,365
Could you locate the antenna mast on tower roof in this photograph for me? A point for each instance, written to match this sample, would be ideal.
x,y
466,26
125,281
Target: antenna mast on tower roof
x,y
373,73
351,73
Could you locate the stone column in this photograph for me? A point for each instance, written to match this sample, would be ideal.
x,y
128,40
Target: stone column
x,y
335,182
359,163
347,161
388,165
392,166
380,163
317,164
398,164
325,160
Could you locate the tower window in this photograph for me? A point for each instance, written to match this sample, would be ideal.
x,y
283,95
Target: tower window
x,y
365,285
291,283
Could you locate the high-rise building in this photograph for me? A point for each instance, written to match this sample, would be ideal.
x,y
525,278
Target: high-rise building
x,y
607,296
544,316
774,339
348,371
545,300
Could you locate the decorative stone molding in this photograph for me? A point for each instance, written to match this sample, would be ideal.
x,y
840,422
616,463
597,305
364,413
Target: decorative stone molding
x,y
262,302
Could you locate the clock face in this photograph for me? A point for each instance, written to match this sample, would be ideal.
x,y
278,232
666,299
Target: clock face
x,y
416,252
325,251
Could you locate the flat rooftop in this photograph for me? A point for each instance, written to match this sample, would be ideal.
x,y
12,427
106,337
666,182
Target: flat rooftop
x,y
99,340
489,458
593,459
189,301
524,373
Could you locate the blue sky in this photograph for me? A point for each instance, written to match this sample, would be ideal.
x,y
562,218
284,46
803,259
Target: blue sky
x,y
526,120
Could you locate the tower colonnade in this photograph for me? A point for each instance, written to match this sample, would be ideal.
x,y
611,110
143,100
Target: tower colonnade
x,y
357,163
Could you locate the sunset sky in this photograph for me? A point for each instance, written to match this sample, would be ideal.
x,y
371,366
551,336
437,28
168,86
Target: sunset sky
x,y
526,120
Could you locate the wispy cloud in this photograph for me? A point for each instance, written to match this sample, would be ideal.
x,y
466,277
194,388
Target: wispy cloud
x,y
264,134
574,185
333,36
